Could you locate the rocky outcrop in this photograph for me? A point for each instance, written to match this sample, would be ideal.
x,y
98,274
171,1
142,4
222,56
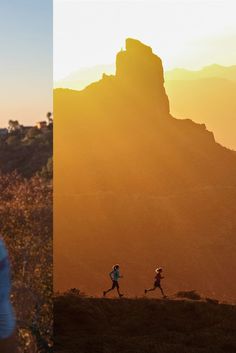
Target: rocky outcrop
x,y
141,74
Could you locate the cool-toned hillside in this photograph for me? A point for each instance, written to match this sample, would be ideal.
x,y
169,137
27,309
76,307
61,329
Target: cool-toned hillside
x,y
143,326
136,186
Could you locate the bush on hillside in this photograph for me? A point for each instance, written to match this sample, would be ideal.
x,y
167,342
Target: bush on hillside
x,y
26,152
191,294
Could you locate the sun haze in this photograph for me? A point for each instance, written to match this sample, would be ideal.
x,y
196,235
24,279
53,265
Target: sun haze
x,y
188,34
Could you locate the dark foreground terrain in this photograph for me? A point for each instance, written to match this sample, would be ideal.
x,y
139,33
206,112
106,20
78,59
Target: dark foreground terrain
x,y
92,325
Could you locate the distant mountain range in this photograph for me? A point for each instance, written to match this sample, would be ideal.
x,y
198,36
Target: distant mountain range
x,y
211,71
136,186
205,96
78,80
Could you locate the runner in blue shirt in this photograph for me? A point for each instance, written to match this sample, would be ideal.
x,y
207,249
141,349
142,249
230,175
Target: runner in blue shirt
x,y
115,276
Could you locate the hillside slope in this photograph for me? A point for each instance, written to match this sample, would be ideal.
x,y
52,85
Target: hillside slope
x,y
80,79
143,326
208,100
136,186
27,152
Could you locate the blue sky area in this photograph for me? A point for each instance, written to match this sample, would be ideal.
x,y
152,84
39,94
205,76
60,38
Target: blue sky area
x,y
26,31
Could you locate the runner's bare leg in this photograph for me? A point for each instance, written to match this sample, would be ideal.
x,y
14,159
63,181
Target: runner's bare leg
x,y
162,292
150,289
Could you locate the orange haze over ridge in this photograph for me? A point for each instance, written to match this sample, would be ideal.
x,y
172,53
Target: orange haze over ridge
x,y
206,95
136,186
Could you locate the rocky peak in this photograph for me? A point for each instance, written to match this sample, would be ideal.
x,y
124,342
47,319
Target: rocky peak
x,y
141,72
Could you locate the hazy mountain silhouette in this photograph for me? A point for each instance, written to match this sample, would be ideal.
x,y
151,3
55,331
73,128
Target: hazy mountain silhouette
x,y
211,71
136,186
80,79
207,95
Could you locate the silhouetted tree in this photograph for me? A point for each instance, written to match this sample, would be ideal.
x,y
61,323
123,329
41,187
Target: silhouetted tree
x,y
49,117
13,126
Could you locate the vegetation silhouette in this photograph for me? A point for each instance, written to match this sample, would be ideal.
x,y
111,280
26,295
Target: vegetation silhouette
x,y
27,149
26,226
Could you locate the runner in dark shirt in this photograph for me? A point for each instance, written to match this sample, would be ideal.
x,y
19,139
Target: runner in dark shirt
x,y
157,282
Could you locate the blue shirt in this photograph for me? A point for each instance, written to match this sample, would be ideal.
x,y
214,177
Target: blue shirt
x,y
116,275
3,250
7,317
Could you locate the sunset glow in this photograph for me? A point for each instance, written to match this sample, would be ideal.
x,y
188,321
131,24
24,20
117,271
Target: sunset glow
x,y
26,60
188,34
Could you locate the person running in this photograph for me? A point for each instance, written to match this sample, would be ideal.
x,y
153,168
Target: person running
x,y
115,276
7,317
157,282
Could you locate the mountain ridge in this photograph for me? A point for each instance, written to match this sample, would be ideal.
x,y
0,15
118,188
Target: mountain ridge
x,y
205,97
209,71
83,77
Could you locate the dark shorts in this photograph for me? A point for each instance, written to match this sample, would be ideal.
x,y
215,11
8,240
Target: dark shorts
x,y
157,284
115,284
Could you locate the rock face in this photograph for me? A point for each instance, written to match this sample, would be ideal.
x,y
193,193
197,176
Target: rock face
x,y
141,74
135,186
